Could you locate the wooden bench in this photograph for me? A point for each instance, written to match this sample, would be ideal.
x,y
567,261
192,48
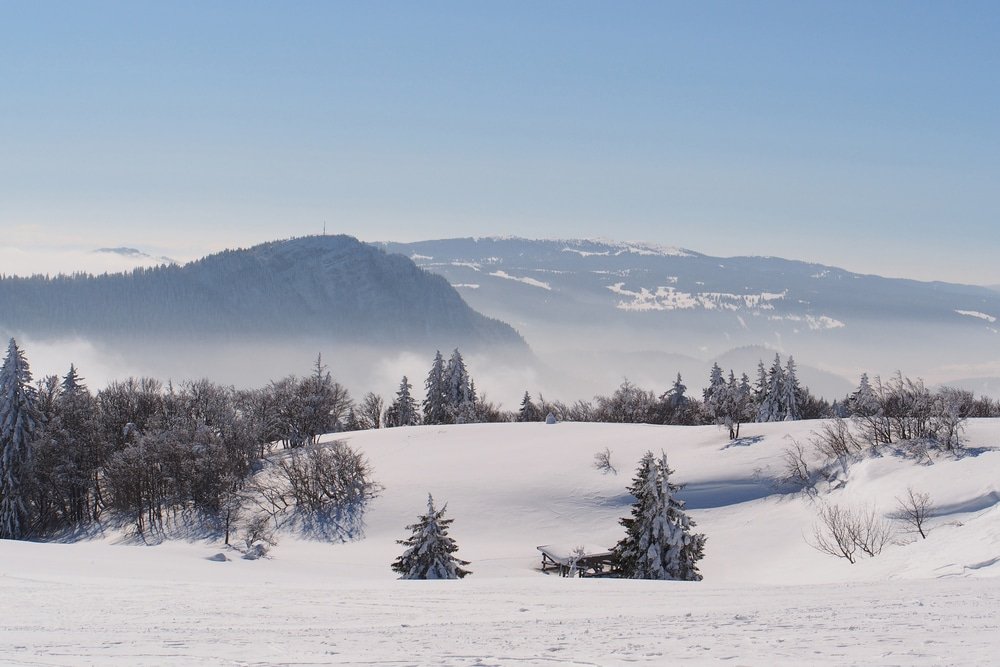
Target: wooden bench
x,y
581,560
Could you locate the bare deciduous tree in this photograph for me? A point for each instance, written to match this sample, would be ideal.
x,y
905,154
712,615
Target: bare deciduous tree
x,y
795,470
842,532
832,535
602,461
325,477
914,510
870,531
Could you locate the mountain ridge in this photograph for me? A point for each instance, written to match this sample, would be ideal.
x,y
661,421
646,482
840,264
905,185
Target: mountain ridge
x,y
333,286
589,294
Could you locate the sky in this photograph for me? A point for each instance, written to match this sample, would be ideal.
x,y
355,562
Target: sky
x,y
864,135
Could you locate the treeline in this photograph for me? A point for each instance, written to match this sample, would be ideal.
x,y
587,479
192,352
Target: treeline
x,y
145,452
899,408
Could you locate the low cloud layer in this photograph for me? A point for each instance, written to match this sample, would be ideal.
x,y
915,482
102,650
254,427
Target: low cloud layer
x,y
27,261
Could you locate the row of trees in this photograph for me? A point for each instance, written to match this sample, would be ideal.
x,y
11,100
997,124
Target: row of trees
x,y
144,451
148,451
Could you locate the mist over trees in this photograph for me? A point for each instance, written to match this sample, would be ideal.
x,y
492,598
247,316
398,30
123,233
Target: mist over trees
x,y
149,454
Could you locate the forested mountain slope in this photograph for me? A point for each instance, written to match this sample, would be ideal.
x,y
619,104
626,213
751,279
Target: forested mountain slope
x,y
331,287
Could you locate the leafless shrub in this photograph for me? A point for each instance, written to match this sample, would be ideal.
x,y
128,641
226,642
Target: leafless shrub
x,y
602,461
914,509
258,530
947,420
835,440
869,530
832,535
327,477
795,470
842,532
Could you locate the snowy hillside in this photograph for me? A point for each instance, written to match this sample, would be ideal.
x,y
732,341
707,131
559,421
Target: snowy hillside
x,y
767,594
569,297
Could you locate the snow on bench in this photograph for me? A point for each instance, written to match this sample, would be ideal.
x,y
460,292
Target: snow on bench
x,y
583,560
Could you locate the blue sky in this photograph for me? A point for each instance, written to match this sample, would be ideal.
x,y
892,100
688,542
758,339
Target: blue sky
x,y
860,134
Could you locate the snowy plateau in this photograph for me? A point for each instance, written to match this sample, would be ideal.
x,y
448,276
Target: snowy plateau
x,y
767,597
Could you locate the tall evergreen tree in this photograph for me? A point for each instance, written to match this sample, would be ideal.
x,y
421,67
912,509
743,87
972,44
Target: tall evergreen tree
x,y
456,380
792,399
676,407
864,402
403,411
716,387
431,552
735,406
319,405
459,393
72,381
658,543
529,412
676,395
436,398
80,446
628,551
18,421
760,390
771,408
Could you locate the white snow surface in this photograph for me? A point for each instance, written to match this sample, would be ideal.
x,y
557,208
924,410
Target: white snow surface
x,y
767,597
978,315
670,298
527,281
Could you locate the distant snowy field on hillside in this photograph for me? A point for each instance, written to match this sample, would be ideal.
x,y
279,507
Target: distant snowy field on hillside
x,y
768,596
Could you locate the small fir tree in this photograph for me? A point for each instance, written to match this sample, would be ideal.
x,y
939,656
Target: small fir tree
x,y
659,542
430,552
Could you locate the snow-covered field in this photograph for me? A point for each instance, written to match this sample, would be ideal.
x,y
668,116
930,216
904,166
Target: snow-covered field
x,y
767,596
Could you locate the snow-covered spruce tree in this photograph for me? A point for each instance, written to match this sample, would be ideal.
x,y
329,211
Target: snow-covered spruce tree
x,y
792,399
864,402
436,398
659,542
459,390
713,394
430,552
528,412
403,411
320,405
18,421
771,405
